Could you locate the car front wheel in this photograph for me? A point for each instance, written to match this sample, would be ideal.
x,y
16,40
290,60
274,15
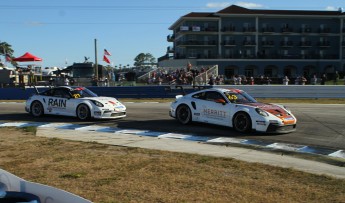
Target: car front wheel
x,y
242,122
83,112
183,114
37,109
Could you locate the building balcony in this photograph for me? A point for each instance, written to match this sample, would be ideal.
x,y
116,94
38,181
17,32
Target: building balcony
x,y
228,29
229,43
286,43
196,43
249,43
305,44
267,43
170,49
287,30
268,30
170,38
249,29
325,30
306,30
235,55
324,44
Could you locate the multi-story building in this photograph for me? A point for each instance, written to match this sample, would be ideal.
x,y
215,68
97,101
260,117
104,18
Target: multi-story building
x,y
252,42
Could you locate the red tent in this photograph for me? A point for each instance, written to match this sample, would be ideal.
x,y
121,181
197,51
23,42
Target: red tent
x,y
27,57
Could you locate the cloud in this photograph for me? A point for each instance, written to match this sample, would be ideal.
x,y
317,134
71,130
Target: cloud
x,y
333,8
248,4
35,23
239,3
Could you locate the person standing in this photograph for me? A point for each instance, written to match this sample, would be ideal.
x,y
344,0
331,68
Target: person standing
x,y
314,80
323,79
286,80
335,78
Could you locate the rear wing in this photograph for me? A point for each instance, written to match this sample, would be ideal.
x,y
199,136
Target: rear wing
x,y
184,88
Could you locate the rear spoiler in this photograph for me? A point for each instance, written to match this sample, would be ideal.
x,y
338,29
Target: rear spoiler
x,y
182,88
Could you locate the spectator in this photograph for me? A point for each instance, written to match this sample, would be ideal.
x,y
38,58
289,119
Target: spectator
x,y
286,80
297,80
238,80
66,81
314,80
335,78
323,79
262,80
303,80
211,81
251,80
268,80
218,80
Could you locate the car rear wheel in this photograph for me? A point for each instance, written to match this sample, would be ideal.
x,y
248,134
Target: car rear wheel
x,y
83,112
36,109
242,122
183,114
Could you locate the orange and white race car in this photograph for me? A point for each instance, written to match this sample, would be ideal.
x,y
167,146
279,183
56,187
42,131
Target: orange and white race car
x,y
233,108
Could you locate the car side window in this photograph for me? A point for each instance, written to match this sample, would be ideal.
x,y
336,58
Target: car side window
x,y
200,95
61,93
214,96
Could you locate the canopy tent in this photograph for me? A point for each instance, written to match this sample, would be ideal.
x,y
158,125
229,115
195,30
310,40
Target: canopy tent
x,y
27,57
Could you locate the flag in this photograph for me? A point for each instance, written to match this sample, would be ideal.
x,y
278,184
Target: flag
x,y
105,58
8,58
106,52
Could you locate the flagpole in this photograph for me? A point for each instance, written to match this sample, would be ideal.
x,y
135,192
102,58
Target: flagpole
x,y
96,63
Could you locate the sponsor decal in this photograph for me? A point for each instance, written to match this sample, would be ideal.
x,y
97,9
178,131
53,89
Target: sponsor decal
x,y
214,113
196,114
59,103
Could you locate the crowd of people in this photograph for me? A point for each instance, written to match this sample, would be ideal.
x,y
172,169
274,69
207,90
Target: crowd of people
x,y
182,76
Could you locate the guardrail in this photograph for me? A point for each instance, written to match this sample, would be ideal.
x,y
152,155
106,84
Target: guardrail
x,y
257,91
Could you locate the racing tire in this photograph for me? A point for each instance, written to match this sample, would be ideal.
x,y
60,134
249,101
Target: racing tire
x,y
36,109
183,114
242,122
83,112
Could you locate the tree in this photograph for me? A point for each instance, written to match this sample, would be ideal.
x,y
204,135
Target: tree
x,y
6,50
144,59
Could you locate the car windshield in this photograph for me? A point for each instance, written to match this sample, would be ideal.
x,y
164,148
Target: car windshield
x,y
81,92
239,97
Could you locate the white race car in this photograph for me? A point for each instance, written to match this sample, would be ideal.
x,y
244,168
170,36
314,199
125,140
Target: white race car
x,y
79,102
233,108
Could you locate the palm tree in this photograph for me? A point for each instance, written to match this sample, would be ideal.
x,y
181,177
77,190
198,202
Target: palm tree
x,y
6,50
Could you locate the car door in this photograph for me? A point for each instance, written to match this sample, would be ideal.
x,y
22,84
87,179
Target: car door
x,y
58,102
213,108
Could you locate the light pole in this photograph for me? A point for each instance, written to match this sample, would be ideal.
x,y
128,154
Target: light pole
x,y
96,63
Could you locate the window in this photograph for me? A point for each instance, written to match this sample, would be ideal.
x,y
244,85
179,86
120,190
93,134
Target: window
x,y
213,96
268,72
61,93
229,72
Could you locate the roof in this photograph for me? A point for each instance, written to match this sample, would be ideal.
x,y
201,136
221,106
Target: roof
x,y
233,9
199,14
238,10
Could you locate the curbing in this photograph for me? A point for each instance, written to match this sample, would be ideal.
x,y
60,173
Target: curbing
x,y
211,146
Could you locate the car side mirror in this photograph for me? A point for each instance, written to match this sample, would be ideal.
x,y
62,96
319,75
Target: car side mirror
x,y
221,101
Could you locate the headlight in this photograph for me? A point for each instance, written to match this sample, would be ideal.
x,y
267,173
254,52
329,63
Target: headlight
x,y
261,112
97,103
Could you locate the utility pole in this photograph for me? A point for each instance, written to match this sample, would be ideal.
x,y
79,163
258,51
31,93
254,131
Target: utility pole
x,y
96,63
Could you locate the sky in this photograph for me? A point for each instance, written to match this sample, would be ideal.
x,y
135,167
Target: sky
x,y
62,32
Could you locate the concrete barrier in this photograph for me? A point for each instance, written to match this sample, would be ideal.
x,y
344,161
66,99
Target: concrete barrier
x,y
257,91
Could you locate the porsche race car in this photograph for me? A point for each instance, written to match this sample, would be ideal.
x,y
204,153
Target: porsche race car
x,y
79,102
233,108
